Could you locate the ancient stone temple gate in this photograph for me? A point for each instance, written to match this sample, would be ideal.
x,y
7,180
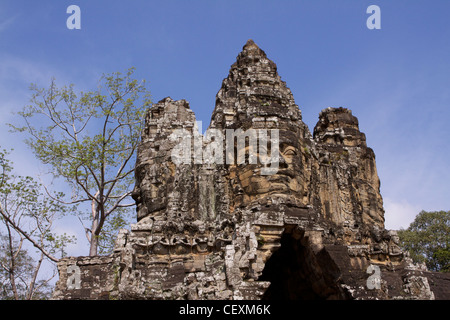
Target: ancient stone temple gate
x,y
313,229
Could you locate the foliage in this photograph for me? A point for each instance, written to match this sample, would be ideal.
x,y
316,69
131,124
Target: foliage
x,y
89,140
24,270
119,219
26,216
427,240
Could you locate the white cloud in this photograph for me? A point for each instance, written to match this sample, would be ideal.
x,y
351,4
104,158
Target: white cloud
x,y
6,23
399,214
16,75
24,70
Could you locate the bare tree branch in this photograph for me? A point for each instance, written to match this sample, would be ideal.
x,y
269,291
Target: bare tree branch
x,y
61,201
33,242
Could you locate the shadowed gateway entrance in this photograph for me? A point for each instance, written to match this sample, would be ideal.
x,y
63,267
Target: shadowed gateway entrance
x,y
297,273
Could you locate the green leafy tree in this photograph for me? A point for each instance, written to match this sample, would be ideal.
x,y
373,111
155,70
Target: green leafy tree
x,y
427,239
89,140
19,273
27,215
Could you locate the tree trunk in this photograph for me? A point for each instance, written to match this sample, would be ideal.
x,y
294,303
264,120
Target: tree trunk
x,y
33,280
93,250
12,264
12,279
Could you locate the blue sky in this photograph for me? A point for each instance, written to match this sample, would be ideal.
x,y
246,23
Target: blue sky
x,y
395,80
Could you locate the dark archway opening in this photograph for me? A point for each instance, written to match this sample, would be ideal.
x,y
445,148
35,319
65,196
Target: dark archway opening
x,y
296,273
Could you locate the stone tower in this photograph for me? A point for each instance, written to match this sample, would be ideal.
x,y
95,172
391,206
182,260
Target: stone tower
x,y
217,220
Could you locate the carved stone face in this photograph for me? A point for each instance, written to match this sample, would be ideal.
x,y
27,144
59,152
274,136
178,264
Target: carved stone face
x,y
286,181
157,177
140,190
150,190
